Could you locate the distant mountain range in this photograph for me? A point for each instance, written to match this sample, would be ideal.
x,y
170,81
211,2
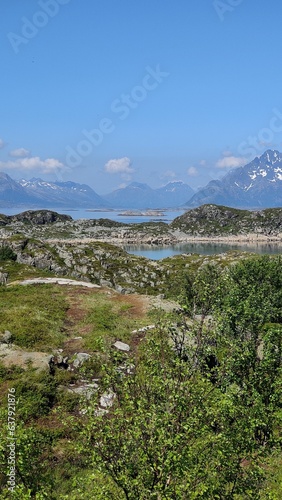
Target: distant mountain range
x,y
256,185
138,195
37,193
70,194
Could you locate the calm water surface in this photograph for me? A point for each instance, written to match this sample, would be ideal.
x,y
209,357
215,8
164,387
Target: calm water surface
x,y
157,253
168,215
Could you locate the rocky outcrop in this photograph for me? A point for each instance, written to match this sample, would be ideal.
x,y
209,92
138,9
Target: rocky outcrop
x,y
58,281
12,355
215,220
39,217
3,278
207,221
6,337
35,217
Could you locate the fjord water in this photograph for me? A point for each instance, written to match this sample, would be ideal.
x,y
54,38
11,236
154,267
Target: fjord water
x,y
157,253
115,215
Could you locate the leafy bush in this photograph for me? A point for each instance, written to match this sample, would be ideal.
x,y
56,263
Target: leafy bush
x,y
10,373
36,394
6,253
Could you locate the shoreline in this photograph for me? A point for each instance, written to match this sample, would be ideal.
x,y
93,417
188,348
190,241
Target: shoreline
x,y
174,240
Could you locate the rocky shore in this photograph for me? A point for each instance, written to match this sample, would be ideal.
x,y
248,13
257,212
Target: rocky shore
x,y
174,239
209,223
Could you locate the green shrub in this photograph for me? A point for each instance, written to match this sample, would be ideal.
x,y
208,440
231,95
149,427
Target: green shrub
x,y
36,395
10,373
6,253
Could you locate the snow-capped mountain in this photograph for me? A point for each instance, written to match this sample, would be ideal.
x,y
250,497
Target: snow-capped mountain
x,y
257,184
58,193
141,196
38,193
12,193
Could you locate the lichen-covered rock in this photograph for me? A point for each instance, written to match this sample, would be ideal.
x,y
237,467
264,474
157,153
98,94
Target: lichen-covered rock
x,y
3,278
121,346
6,337
80,359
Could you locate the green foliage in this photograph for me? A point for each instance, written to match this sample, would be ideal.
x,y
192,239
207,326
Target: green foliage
x,y
6,253
198,417
12,372
273,485
253,295
202,290
70,402
169,434
184,427
35,394
32,448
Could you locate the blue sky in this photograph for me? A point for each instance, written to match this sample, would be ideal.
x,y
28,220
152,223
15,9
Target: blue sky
x,y
111,92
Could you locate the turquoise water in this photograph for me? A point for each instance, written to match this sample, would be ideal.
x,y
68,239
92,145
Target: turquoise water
x,y
157,253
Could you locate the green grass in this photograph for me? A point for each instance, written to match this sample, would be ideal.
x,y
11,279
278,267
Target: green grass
x,y
109,320
18,271
49,440
273,485
34,314
10,373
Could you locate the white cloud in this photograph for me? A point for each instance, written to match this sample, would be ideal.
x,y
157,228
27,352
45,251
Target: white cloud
x,y
203,163
169,173
20,153
231,162
2,143
192,171
48,166
227,152
119,166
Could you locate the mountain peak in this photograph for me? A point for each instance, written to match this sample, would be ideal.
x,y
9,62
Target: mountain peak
x,y
175,183
257,184
142,196
138,185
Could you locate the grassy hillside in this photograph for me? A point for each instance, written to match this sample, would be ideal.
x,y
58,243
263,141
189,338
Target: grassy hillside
x,y
198,395
122,394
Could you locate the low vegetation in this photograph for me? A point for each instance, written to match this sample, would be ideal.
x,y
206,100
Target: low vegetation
x,y
6,253
192,405
35,318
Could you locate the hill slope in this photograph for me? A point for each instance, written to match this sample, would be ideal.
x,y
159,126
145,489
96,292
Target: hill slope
x,y
216,220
